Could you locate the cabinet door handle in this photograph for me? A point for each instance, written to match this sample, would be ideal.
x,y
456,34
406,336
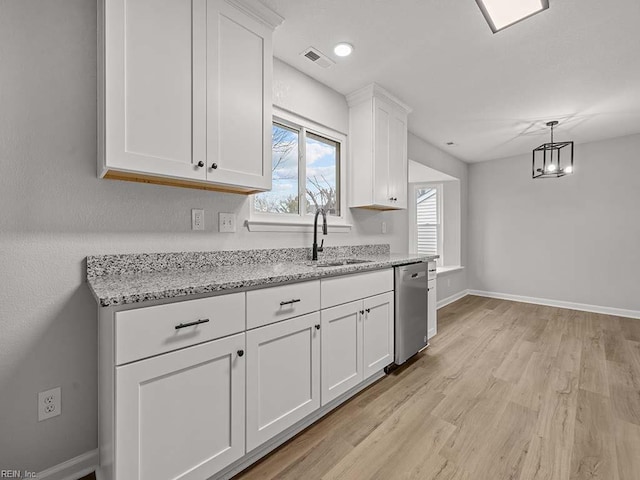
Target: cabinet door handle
x,y
200,164
361,312
214,165
318,327
191,324
240,353
368,310
289,302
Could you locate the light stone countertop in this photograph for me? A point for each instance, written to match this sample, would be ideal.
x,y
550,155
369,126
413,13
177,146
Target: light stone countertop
x,y
130,288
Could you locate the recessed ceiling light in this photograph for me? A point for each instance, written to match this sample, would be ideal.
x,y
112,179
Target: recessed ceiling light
x,y
501,14
343,49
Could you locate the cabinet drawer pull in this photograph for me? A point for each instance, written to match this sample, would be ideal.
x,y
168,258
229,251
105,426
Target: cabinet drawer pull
x,y
200,164
214,166
191,324
289,302
318,327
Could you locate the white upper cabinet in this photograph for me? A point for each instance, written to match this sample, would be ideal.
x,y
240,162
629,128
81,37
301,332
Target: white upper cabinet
x,y
378,149
185,93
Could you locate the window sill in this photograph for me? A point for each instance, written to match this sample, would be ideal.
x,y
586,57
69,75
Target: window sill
x,y
441,271
292,227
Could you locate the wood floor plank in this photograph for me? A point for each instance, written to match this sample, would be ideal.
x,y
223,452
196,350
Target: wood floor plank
x,y
504,455
549,454
532,385
630,328
593,371
628,450
594,451
626,403
516,362
506,391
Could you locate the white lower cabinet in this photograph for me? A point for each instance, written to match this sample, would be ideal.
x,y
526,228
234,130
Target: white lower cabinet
x,y
357,342
283,376
186,390
341,349
378,334
181,415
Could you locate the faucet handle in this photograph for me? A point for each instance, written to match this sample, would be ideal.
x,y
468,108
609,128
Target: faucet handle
x,y
321,247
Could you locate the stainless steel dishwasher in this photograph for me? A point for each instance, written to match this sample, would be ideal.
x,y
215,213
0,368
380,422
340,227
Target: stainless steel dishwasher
x,y
410,310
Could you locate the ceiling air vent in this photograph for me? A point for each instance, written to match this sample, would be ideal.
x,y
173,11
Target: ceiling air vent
x,y
317,57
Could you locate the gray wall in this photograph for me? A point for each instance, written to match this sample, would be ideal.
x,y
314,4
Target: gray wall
x,y
55,212
423,152
573,239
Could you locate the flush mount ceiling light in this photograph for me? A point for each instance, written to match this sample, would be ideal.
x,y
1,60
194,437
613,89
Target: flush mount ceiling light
x,y
343,49
501,14
553,159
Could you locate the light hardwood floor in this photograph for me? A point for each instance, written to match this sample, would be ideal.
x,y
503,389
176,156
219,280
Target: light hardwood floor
x,y
506,391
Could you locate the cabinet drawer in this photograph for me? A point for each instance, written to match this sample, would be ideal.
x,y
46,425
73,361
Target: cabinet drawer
x,y
149,331
270,305
339,290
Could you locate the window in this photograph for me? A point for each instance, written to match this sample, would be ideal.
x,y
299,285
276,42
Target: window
x,y
428,207
306,165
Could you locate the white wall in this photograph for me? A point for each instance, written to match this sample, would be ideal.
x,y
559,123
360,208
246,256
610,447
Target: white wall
x,y
423,152
573,239
55,212
451,223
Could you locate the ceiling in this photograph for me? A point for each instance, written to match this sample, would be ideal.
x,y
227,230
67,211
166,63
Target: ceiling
x,y
419,173
577,62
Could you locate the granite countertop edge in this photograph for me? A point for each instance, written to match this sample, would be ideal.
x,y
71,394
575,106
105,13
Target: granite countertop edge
x,y
115,290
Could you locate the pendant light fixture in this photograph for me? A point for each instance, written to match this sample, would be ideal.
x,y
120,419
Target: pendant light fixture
x,y
553,159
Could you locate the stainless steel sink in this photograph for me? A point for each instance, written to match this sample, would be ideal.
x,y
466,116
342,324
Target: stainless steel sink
x,y
341,262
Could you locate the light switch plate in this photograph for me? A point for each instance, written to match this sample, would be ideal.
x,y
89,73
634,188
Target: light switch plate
x,y
226,222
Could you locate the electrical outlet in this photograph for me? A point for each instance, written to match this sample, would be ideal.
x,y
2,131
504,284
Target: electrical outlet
x,y
226,222
384,227
49,403
197,219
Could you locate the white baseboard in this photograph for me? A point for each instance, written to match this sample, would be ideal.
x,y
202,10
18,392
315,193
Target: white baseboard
x,y
619,312
456,296
73,469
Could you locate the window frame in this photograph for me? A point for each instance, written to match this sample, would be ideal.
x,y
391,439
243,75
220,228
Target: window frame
x,y
266,221
413,216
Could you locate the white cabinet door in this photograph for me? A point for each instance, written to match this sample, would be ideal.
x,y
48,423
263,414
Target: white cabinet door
x,y
238,97
378,337
341,349
382,119
398,175
181,415
148,88
432,309
283,376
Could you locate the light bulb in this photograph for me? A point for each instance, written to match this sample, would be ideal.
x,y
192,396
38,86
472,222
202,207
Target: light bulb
x,y
343,49
551,167
568,169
